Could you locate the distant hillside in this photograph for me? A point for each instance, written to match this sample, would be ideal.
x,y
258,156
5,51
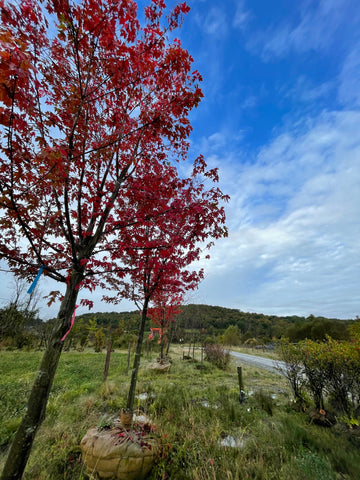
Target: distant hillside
x,y
196,323
217,319
212,321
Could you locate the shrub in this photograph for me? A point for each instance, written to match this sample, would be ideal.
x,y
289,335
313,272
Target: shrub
x,y
264,401
293,370
331,368
217,355
313,362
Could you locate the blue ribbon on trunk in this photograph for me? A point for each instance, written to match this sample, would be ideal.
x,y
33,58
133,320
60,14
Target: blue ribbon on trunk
x,y
33,285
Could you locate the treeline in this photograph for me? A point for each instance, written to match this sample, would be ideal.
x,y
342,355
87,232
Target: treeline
x,y
21,328
218,321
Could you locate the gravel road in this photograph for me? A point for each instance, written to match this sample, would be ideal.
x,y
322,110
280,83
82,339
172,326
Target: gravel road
x,y
261,362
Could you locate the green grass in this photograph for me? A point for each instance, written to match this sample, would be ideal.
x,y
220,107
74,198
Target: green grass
x,y
198,417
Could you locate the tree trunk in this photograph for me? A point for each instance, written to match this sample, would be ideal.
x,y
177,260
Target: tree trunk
x,y
107,361
162,345
135,370
171,334
128,358
21,446
68,346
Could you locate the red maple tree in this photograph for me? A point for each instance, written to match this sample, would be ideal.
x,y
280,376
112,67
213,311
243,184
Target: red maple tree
x,y
93,106
181,218
163,314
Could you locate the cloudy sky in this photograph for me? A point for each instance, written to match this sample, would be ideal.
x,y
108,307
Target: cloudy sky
x,y
281,120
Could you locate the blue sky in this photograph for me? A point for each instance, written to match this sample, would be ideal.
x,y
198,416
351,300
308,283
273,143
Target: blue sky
x,y
281,120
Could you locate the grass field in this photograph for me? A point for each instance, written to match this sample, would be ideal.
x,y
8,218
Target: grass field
x,y
204,431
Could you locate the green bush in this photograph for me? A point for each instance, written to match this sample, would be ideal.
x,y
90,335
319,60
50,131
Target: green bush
x,y
330,370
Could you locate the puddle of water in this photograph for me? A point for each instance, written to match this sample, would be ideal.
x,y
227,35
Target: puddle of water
x,y
232,442
142,396
206,404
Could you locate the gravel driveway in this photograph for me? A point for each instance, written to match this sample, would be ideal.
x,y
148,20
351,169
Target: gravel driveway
x,y
261,362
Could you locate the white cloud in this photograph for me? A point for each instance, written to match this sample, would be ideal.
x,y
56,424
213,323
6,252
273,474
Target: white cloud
x,y
242,16
214,22
349,90
304,257
305,91
316,29
250,102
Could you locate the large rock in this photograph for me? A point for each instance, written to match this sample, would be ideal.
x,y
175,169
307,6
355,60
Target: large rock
x,y
118,454
161,367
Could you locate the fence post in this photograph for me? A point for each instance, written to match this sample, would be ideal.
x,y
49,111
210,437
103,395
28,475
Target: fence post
x,y
241,385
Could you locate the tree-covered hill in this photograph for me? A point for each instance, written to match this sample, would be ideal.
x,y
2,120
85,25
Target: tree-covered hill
x,y
215,320
212,321
195,323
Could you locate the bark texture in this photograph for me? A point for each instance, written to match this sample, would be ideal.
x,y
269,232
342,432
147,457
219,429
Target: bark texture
x,y
135,370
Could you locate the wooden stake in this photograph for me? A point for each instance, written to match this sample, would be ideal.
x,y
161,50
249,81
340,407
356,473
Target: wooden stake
x,y
241,385
107,361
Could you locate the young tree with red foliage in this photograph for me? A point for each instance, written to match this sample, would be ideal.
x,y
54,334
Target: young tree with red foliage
x,y
163,314
159,251
89,99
